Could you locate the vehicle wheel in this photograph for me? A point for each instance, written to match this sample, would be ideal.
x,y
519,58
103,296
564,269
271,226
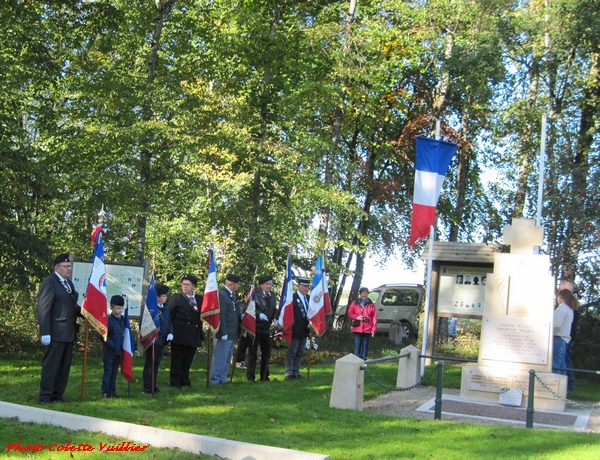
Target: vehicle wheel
x,y
407,332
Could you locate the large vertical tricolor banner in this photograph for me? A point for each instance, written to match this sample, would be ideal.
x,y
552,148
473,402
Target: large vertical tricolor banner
x,y
249,320
95,304
316,305
433,160
149,321
128,349
286,305
211,312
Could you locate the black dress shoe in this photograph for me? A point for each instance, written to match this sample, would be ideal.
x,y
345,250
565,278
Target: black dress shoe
x,y
46,402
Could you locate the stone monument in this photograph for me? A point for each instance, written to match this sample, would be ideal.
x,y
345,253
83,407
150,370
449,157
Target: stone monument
x,y
516,329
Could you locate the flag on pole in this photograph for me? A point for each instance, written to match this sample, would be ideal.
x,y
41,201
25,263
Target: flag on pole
x,y
316,305
433,160
149,321
210,311
249,320
286,305
326,299
128,349
95,303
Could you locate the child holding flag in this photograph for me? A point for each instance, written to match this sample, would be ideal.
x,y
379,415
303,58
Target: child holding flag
x,y
112,349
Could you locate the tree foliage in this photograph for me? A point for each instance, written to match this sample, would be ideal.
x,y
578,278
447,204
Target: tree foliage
x,y
236,125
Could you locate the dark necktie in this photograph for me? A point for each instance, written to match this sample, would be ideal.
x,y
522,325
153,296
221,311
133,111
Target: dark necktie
x,y
193,301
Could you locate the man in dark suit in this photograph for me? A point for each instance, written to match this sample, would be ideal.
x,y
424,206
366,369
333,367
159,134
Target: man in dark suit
x,y
266,306
228,330
187,330
300,330
57,315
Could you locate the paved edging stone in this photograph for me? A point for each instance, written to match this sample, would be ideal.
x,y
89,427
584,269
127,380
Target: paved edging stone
x,y
156,437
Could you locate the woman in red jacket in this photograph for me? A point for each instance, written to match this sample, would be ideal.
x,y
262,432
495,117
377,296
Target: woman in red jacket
x,y
363,315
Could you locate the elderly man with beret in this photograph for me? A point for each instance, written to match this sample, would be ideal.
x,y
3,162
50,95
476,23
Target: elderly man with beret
x,y
187,330
266,307
57,316
228,330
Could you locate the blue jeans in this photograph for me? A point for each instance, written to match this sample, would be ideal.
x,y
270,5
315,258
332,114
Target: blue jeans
x,y
559,347
111,370
569,364
220,361
361,344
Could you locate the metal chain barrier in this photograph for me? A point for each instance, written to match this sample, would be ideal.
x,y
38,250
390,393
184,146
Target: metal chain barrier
x,y
568,401
389,388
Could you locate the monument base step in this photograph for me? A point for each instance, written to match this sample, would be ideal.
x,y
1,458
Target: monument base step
x,y
516,416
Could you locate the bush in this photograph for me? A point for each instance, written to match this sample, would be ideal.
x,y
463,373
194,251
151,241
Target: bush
x,y
18,316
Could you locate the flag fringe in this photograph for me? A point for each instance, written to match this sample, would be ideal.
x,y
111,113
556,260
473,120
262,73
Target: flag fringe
x,y
100,328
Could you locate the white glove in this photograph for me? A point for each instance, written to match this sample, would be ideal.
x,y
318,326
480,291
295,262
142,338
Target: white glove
x,y
263,316
276,323
45,340
242,315
169,337
224,337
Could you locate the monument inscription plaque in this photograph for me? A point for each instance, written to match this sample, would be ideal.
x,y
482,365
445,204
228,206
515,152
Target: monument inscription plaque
x,y
515,339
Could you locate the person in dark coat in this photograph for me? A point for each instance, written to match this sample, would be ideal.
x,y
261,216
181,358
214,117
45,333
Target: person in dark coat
x,y
187,330
112,349
155,353
266,306
300,330
57,311
228,331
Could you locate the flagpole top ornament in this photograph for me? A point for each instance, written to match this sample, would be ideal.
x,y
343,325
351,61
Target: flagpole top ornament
x,y
101,215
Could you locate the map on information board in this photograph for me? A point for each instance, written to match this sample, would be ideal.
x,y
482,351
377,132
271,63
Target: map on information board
x,y
120,279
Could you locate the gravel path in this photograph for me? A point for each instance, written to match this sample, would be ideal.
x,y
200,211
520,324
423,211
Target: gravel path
x,y
406,403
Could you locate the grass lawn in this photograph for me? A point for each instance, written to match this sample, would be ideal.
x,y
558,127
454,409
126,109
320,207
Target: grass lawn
x,y
289,414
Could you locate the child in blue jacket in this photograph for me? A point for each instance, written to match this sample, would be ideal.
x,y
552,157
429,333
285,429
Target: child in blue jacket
x,y
112,349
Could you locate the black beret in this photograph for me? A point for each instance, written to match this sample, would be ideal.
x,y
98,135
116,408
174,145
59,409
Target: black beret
x,y
161,289
191,278
233,278
117,300
264,279
304,281
61,259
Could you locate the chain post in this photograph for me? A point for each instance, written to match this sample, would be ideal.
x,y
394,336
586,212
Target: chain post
x,y
530,396
438,391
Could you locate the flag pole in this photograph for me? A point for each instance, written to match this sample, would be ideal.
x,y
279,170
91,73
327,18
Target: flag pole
x,y
85,349
101,215
309,354
153,382
208,358
427,298
429,269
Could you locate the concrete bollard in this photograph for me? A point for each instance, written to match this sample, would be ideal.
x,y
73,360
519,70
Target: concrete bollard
x,y
409,368
348,383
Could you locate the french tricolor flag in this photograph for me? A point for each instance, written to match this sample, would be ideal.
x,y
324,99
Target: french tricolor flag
x,y
95,304
211,311
249,320
433,160
286,306
128,349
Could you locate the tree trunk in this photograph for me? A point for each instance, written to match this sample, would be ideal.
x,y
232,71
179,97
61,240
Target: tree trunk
x,y
146,154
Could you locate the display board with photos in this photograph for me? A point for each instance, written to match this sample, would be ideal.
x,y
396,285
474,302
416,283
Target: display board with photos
x,y
461,291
